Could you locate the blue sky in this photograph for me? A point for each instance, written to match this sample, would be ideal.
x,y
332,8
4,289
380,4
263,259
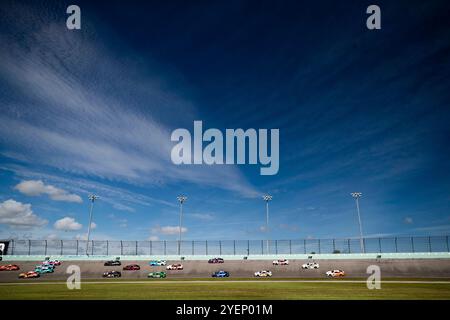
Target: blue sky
x,y
92,110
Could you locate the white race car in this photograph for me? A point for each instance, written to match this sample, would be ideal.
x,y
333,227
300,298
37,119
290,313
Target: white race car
x,y
263,273
335,273
310,265
176,266
281,262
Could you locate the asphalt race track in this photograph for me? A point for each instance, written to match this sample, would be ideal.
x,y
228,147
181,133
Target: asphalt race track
x,y
390,268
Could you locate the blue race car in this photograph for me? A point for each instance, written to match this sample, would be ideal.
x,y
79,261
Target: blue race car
x,y
220,274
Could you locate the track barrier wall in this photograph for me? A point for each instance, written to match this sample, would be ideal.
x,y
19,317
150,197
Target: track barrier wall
x,y
248,248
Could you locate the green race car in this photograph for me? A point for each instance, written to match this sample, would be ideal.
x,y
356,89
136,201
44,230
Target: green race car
x,y
160,274
44,269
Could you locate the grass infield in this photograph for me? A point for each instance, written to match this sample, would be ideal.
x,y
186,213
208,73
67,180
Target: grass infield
x,y
223,289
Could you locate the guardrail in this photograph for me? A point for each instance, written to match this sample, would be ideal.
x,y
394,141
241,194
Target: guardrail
x,y
229,247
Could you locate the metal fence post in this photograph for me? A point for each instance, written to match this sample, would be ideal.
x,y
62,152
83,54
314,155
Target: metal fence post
x,y
12,247
318,242
92,251
276,246
136,248
206,246
334,245
396,247
262,247
412,244
348,244
379,244
193,247
107,247
165,248
151,247
248,247
62,246
220,247
121,248
304,245
429,244
234,247
448,247
290,246
45,251
29,247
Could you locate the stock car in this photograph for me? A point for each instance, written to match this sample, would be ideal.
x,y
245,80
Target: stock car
x,y
159,274
216,260
263,273
112,274
220,274
281,262
112,263
154,263
44,269
29,274
9,267
335,273
310,265
52,262
175,266
132,267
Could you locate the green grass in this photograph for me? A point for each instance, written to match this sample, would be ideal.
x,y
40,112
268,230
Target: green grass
x,y
223,290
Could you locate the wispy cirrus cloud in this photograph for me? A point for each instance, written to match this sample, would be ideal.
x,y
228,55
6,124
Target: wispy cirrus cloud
x,y
64,108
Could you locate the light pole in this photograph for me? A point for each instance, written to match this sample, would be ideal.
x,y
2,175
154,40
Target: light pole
x,y
181,199
267,198
357,195
92,198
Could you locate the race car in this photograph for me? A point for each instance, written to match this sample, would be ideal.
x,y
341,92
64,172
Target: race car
x,y
157,263
176,266
216,260
263,273
132,267
220,274
44,269
160,274
335,273
9,267
112,263
310,265
112,274
281,262
52,262
29,274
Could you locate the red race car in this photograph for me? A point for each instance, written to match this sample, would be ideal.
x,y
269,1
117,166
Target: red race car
x,y
9,267
132,267
29,274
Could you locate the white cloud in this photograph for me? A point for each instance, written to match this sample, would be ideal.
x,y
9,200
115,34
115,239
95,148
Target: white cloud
x,y
67,223
17,214
153,238
202,216
408,220
37,188
93,225
81,236
169,230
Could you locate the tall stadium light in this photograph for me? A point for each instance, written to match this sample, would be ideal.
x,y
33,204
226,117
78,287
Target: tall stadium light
x,y
181,199
92,198
357,195
267,198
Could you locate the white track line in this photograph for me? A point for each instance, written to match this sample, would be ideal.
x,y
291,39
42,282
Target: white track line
x,y
226,281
